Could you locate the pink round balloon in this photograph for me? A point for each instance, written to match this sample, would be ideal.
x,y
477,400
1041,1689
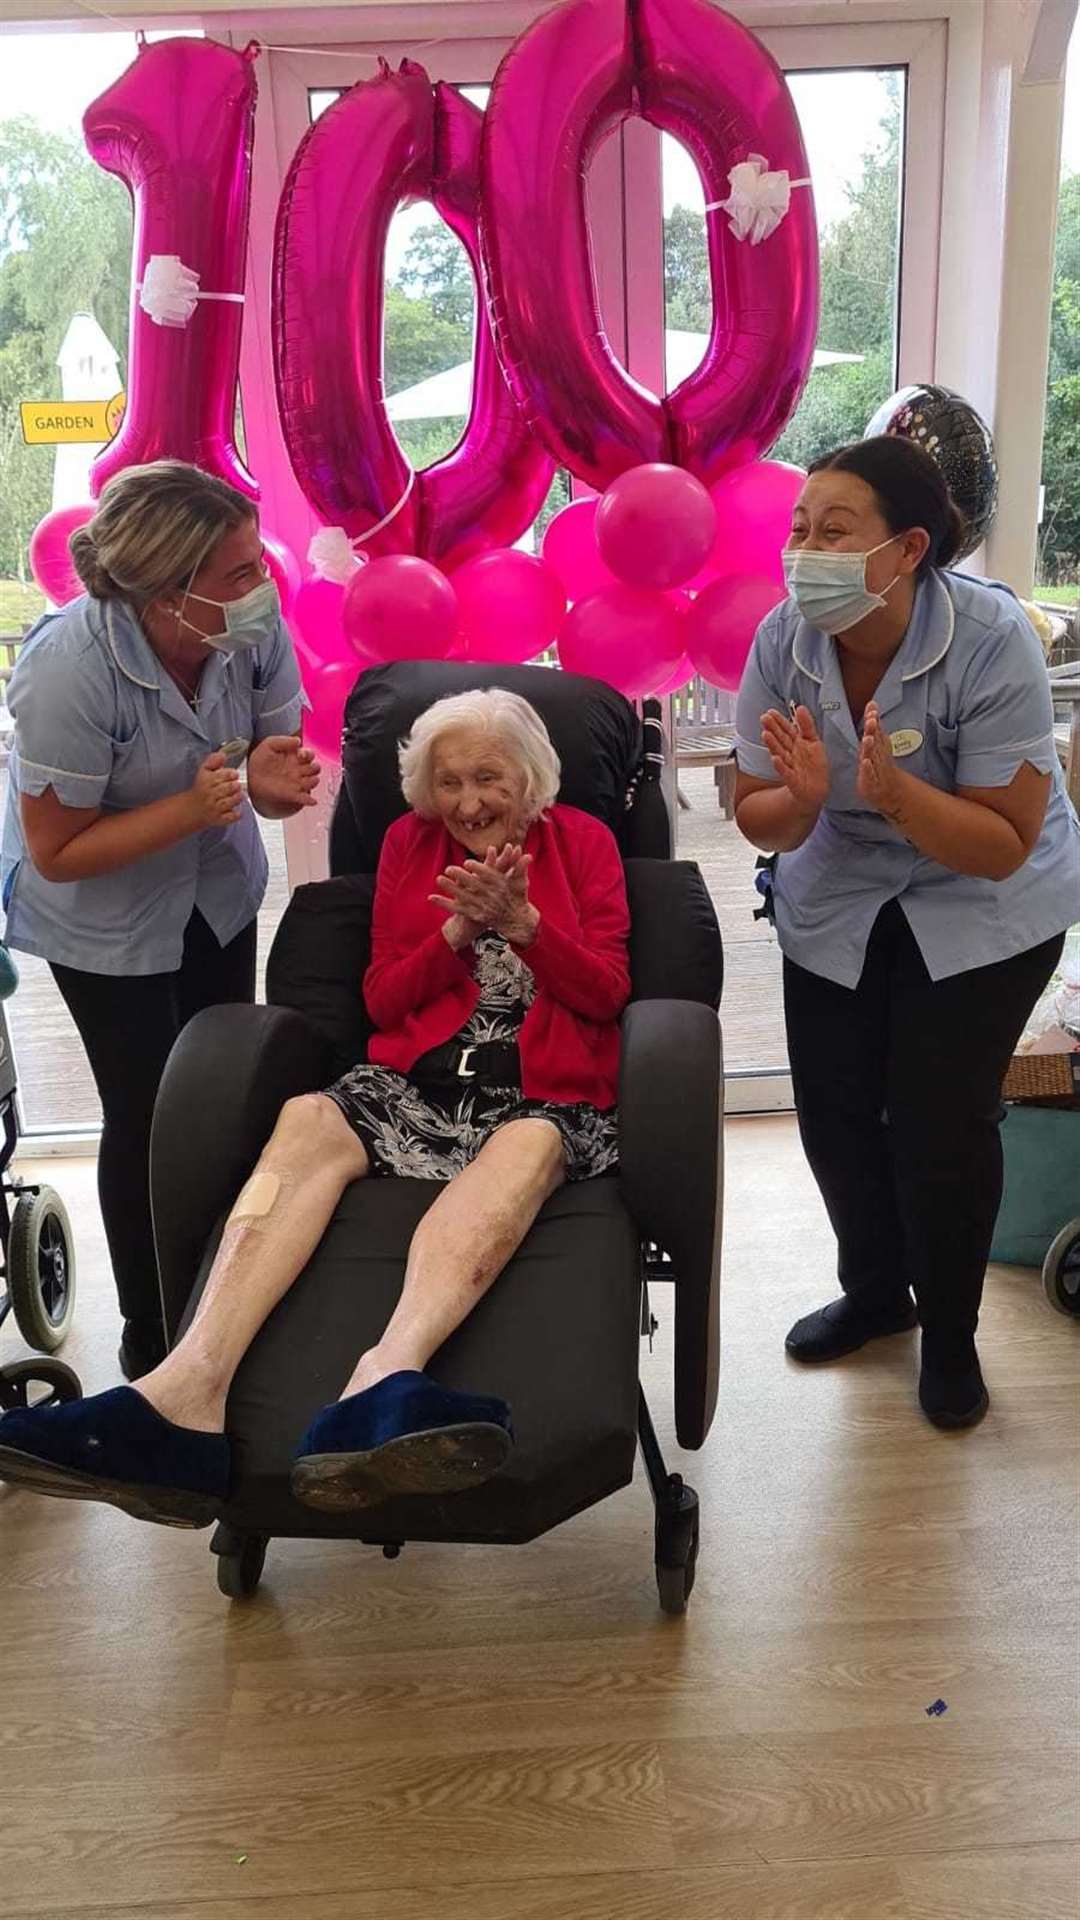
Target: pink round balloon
x,y
401,608
50,558
570,550
631,637
178,127
655,526
510,605
328,687
677,679
754,506
722,622
284,569
318,623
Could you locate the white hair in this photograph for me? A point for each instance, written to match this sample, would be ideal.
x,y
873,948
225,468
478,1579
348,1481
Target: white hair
x,y
507,718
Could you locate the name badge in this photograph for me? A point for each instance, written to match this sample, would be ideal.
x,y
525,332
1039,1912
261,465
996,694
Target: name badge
x,y
908,740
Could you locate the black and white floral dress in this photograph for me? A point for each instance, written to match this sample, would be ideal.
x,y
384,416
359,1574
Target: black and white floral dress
x,y
418,1133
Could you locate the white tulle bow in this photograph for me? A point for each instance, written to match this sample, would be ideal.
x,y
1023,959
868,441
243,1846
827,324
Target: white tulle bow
x,y
758,200
169,292
330,555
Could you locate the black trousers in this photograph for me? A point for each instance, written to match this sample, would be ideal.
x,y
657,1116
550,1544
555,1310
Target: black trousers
x,y
128,1023
898,1091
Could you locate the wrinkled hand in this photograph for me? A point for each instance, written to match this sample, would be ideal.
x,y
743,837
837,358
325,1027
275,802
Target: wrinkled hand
x,y
283,774
216,796
880,781
798,757
492,893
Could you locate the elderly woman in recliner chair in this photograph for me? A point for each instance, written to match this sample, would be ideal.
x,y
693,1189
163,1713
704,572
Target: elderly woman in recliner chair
x,y
498,974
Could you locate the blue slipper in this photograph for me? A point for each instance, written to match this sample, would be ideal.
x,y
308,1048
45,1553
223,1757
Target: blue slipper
x,y
115,1447
404,1435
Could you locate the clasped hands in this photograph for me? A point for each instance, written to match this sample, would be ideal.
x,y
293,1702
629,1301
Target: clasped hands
x,y
489,894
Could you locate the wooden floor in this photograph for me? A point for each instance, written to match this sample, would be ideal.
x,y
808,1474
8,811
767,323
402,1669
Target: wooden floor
x,y
474,1734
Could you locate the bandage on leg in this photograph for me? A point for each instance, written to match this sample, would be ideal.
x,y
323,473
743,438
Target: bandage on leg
x,y
260,1197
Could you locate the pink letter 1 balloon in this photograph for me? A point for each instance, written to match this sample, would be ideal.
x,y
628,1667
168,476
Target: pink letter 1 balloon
x,y
388,139
692,70
177,127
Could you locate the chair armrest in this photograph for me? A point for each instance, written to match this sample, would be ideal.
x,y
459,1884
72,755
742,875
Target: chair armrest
x,y
224,1085
671,1099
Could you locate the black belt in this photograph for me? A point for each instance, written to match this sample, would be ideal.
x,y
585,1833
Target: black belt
x,y
495,1061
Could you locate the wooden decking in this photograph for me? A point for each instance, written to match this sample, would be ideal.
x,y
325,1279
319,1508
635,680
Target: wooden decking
x,y
54,1080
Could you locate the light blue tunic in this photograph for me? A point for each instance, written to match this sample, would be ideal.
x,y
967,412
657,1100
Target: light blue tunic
x,y
98,719
969,690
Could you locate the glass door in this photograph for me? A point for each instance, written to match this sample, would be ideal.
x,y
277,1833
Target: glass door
x,y
871,103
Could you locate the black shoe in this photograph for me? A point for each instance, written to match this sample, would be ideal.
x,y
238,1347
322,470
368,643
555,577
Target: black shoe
x,y
955,1396
117,1448
141,1349
844,1326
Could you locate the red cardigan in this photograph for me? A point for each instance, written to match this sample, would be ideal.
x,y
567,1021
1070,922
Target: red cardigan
x,y
419,992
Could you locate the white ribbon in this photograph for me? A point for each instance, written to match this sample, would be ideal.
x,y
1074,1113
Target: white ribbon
x,y
330,555
169,291
758,199
333,556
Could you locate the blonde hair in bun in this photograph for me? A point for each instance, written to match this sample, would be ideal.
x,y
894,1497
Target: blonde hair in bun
x,y
154,527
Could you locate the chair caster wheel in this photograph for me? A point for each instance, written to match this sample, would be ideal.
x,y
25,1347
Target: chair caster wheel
x,y
677,1534
240,1560
37,1383
1061,1271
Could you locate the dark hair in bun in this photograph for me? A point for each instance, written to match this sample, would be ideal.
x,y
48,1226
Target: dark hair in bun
x,y
909,489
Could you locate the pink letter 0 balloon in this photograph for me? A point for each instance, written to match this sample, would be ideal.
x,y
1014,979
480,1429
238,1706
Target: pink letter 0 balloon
x,y
576,73
388,139
177,127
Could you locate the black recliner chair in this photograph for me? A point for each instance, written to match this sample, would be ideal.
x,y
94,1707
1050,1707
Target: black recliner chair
x,y
558,1334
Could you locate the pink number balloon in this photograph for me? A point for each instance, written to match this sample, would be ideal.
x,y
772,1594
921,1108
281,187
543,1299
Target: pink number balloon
x,y
388,139
177,127
284,569
692,70
50,558
632,637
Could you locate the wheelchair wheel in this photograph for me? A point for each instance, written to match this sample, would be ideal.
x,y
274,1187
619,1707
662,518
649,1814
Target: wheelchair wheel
x,y
37,1383
41,1269
240,1560
1061,1271
678,1528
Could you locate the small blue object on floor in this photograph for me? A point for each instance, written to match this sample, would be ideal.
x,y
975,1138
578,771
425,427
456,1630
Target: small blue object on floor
x,y
937,1707
117,1448
405,1435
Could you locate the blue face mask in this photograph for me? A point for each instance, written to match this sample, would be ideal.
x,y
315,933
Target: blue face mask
x,y
830,589
248,621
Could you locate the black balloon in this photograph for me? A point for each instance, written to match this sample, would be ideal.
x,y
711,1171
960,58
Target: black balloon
x,y
958,440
